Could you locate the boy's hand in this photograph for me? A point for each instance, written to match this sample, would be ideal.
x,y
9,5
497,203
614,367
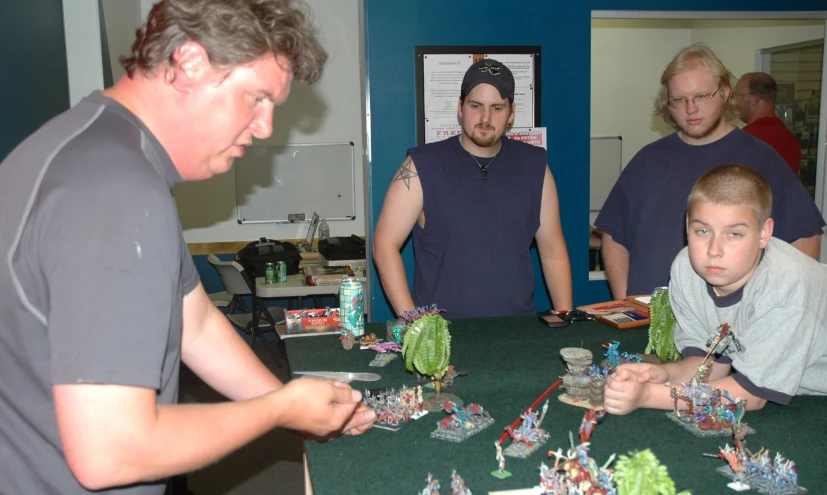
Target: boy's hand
x,y
646,372
624,391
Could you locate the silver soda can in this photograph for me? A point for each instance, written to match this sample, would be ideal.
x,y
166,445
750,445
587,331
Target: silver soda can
x,y
281,271
352,305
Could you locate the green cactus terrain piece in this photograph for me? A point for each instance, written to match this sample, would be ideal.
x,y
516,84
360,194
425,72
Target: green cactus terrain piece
x,y
427,346
641,473
662,328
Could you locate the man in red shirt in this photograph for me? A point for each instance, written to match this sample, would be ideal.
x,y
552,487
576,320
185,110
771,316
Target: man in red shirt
x,y
757,91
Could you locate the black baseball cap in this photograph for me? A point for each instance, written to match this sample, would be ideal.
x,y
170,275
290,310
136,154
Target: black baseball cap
x,y
488,71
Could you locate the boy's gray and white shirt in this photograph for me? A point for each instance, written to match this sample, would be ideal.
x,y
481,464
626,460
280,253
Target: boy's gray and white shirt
x,y
780,320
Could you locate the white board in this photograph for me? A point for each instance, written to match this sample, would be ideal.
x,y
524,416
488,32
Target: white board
x,y
606,163
273,182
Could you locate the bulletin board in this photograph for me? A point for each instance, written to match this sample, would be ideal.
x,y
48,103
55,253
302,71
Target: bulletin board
x,y
439,73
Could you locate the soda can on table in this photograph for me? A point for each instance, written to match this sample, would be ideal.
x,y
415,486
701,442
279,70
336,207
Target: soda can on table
x,y
269,273
281,271
352,305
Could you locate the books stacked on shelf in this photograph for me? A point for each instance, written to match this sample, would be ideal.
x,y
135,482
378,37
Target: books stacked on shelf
x,y
630,312
358,266
326,275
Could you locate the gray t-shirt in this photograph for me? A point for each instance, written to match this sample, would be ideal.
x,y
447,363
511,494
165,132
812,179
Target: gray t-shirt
x,y
779,317
92,279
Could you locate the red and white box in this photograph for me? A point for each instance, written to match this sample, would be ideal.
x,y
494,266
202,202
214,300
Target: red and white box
x,y
313,321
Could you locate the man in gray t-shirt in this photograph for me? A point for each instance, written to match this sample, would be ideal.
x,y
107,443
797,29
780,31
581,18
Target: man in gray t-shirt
x,y
99,295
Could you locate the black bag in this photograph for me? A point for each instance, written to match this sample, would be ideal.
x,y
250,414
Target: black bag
x,y
258,253
343,248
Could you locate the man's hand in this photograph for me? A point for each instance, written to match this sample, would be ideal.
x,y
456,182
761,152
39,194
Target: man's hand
x,y
624,392
321,408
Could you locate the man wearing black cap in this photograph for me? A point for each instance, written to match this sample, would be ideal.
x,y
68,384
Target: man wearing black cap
x,y
474,202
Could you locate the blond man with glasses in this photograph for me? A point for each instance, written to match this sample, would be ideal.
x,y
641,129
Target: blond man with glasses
x,y
643,217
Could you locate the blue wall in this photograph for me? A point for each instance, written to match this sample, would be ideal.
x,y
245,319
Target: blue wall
x,y
563,30
34,81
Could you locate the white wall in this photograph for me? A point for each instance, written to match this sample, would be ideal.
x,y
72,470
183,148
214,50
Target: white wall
x,y
326,112
735,42
329,111
83,48
628,57
122,18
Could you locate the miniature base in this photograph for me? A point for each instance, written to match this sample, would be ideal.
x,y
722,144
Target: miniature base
x,y
762,485
738,486
383,359
522,450
497,474
574,401
686,422
390,427
478,423
433,402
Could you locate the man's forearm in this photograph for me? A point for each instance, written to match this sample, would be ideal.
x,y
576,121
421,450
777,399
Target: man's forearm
x,y
220,357
394,280
557,275
616,263
811,246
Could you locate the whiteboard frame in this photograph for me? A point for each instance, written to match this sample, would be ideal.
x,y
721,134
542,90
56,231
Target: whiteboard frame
x,y
306,220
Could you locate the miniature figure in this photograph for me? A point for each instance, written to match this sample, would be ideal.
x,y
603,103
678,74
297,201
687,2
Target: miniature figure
x,y
757,471
386,347
432,488
616,359
500,472
458,484
368,340
463,422
528,437
590,419
347,338
708,411
578,473
394,409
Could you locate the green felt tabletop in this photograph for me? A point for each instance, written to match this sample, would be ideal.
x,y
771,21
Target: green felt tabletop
x,y
511,361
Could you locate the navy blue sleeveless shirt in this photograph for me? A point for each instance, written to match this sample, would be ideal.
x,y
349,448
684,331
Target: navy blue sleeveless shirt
x,y
472,257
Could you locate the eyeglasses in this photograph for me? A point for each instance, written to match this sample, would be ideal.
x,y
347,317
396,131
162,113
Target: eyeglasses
x,y
700,100
490,68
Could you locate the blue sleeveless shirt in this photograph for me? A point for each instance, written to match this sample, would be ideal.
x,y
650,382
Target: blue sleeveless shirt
x,y
472,257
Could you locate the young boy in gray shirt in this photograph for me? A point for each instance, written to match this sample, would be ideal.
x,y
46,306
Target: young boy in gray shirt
x,y
733,271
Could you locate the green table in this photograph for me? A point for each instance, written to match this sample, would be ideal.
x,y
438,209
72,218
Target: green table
x,y
511,361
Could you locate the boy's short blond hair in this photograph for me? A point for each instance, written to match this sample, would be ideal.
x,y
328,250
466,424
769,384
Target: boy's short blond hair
x,y
736,185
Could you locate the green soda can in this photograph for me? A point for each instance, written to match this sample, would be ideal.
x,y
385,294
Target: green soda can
x,y
269,273
281,271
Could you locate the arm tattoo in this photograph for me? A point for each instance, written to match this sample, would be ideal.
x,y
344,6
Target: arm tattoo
x,y
405,173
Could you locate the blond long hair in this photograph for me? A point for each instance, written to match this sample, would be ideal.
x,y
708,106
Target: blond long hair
x,y
692,57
